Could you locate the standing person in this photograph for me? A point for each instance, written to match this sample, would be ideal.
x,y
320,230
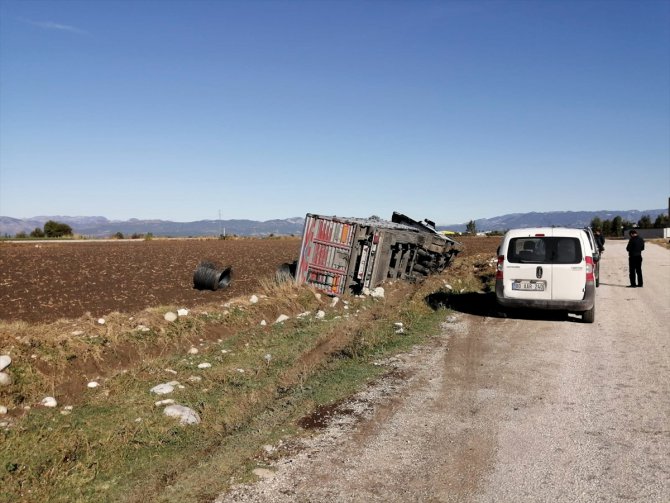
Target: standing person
x,y
600,240
634,248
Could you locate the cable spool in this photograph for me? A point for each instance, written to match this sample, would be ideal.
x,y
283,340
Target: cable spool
x,y
208,276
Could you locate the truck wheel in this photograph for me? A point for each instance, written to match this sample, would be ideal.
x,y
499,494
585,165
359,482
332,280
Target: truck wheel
x,y
589,316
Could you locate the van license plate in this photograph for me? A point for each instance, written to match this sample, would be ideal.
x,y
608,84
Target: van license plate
x,y
532,286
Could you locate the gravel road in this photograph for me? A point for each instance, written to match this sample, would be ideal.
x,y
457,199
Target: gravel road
x,y
532,409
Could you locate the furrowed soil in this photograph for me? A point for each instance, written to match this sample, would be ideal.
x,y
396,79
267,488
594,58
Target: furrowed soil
x,y
43,282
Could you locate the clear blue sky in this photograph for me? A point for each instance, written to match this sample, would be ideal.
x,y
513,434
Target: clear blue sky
x,y
446,110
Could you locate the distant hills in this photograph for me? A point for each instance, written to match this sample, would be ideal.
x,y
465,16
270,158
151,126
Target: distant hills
x,y
102,227
553,218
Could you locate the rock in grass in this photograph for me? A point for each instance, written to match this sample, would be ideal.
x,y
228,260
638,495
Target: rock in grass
x,y
282,318
170,316
185,415
182,312
377,293
165,388
5,361
5,379
49,401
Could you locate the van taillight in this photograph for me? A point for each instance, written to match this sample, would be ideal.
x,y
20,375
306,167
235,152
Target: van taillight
x,y
590,276
499,270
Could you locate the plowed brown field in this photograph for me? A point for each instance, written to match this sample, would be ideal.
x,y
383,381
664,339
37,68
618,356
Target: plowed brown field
x,y
42,282
46,281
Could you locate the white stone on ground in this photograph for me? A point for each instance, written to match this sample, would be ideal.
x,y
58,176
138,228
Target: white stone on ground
x,y
170,316
167,401
185,415
263,323
49,401
5,361
377,293
282,318
165,388
193,351
101,321
320,314
204,365
5,379
334,302
3,410
253,299
182,312
93,384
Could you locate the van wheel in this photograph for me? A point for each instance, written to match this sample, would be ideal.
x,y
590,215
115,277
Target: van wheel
x,y
589,316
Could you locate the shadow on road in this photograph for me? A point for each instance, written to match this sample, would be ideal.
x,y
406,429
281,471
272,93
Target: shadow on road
x,y
485,305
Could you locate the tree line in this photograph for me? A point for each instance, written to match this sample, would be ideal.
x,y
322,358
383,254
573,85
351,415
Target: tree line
x,y
51,229
617,226
612,228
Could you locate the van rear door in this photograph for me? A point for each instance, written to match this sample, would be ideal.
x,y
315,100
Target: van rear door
x,y
569,268
528,272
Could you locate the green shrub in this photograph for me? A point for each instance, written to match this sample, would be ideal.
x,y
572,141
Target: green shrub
x,y
53,229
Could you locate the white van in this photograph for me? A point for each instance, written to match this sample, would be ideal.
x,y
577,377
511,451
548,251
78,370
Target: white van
x,y
547,268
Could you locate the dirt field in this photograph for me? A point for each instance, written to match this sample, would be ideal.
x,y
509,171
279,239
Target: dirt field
x,y
43,282
47,281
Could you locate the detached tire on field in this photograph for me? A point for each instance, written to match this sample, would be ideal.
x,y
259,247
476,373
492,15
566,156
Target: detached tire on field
x,y
208,276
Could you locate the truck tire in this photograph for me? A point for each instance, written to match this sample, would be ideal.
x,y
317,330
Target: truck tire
x,y
421,269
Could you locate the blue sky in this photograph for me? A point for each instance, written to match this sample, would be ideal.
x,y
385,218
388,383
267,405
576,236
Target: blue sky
x,y
179,110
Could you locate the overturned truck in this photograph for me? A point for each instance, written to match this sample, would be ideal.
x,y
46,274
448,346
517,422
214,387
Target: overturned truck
x,y
340,255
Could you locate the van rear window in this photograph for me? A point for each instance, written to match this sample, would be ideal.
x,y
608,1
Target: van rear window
x,y
544,250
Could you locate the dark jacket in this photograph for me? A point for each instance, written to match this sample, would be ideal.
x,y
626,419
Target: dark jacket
x,y
600,242
635,246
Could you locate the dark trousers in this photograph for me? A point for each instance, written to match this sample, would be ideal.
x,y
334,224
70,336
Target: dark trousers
x,y
635,269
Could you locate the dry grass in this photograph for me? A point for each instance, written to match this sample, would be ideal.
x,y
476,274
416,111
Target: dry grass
x,y
665,243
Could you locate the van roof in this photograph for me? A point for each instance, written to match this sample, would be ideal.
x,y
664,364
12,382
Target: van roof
x,y
547,231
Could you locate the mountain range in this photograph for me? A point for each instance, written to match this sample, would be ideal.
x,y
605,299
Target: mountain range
x,y
102,227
